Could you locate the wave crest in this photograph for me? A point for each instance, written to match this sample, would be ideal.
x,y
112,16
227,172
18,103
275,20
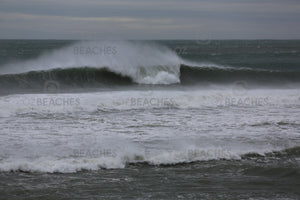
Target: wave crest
x,y
141,61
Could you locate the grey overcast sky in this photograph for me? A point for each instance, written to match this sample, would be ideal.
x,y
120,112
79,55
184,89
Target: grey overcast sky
x,y
150,19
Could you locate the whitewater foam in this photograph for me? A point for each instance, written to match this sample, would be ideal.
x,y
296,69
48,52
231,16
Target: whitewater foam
x,y
89,131
129,153
133,99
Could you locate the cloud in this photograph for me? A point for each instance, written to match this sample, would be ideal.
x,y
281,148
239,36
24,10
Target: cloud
x,y
156,19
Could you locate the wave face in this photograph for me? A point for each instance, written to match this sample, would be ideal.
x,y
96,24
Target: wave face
x,y
87,77
63,79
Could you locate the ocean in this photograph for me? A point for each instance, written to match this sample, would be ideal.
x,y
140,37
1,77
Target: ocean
x,y
164,119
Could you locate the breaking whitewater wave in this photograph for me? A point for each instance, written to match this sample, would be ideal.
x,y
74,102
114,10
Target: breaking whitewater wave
x,y
112,159
120,63
142,62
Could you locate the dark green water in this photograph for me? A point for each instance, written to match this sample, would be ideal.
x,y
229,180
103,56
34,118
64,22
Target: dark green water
x,y
247,179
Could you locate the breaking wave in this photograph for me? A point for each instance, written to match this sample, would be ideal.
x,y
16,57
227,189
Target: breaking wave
x,y
104,159
123,63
